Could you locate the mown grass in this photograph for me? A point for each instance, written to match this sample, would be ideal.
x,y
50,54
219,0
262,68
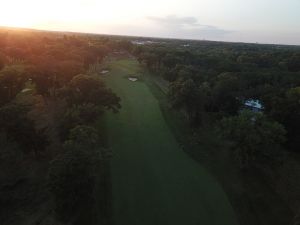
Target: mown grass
x,y
153,180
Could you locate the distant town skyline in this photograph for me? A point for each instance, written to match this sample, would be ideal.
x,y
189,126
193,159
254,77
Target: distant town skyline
x,y
262,21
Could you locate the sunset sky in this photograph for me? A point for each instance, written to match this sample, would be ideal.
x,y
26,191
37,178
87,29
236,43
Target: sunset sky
x,y
263,21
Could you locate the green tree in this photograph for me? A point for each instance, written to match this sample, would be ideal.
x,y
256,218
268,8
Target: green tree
x,y
225,94
15,123
170,60
255,140
149,59
185,95
12,80
83,137
84,114
286,110
293,63
73,177
84,89
72,183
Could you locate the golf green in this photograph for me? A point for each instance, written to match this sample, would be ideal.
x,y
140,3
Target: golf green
x,y
154,182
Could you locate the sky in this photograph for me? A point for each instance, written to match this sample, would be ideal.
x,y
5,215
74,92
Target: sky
x,y
262,21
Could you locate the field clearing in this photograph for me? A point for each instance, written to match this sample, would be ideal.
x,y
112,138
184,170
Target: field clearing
x,y
154,182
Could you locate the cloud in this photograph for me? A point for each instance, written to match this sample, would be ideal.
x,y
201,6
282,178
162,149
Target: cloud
x,y
174,20
188,27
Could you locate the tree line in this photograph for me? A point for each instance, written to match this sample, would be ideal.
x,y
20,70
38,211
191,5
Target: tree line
x,y
49,106
211,81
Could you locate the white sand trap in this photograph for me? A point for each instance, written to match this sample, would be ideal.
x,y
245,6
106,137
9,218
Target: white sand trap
x,y
104,71
26,90
132,79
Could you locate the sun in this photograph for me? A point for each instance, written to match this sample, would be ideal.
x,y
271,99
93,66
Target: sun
x,y
16,13
73,15
44,13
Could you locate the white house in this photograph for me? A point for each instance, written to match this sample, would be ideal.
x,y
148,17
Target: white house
x,y
254,105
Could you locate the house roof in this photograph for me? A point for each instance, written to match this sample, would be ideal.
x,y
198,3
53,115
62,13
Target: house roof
x,y
254,103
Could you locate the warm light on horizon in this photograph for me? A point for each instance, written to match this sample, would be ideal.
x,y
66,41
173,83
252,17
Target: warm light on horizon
x,y
45,14
16,16
263,21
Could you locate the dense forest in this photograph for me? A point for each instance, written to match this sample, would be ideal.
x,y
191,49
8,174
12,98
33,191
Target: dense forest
x,y
51,148
53,152
217,79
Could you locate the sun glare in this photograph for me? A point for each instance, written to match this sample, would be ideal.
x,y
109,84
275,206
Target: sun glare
x,y
18,13
71,13
32,13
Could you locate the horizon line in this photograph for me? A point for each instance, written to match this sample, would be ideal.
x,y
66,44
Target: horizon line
x,y
140,36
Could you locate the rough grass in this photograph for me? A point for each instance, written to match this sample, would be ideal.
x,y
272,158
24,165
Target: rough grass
x,y
153,180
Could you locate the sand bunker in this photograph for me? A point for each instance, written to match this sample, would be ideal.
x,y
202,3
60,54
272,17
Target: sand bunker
x,y
26,90
104,71
132,79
